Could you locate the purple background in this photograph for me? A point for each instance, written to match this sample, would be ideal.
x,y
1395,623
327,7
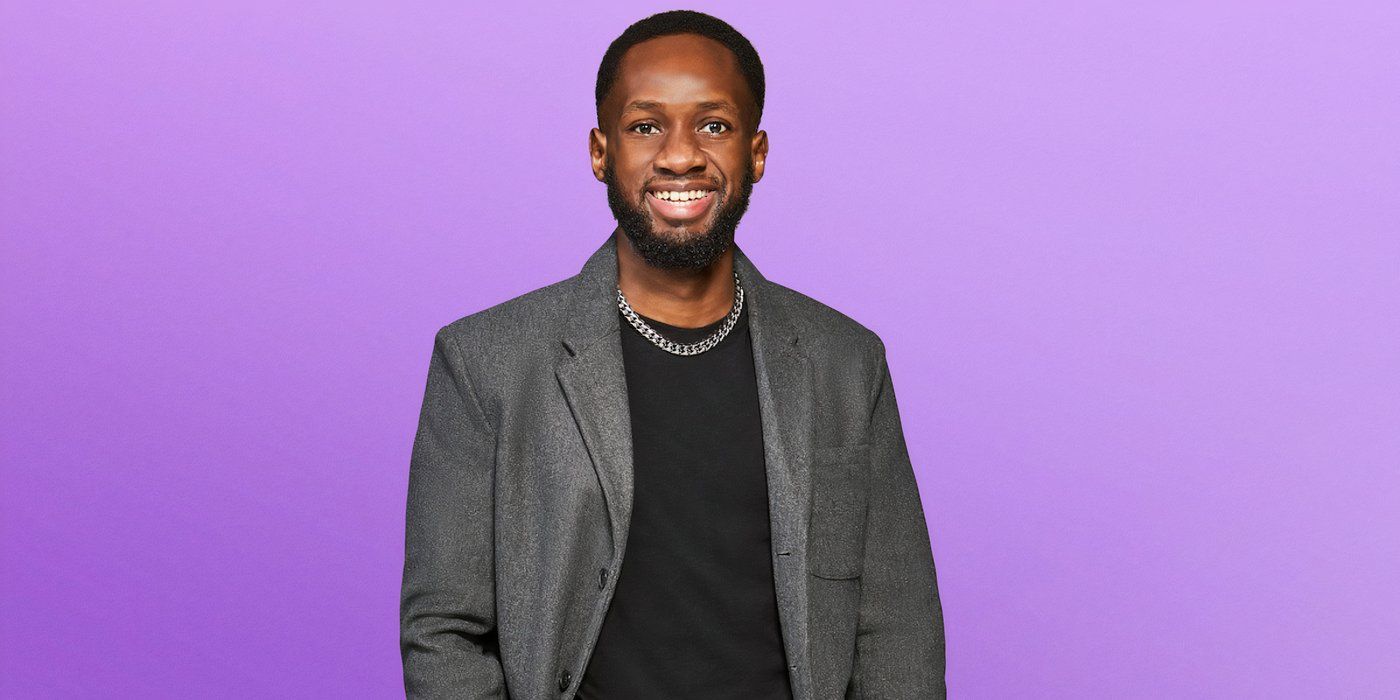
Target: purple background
x,y
1137,268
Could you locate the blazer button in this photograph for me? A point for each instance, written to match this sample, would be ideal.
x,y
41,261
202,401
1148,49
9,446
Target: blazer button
x,y
602,579
564,679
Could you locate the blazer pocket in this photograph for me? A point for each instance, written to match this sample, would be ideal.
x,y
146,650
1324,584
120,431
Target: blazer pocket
x,y
836,532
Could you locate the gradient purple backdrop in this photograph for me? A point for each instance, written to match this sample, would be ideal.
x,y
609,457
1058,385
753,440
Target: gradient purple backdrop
x,y
1137,269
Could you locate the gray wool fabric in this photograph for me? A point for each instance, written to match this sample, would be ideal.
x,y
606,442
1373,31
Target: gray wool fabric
x,y
520,495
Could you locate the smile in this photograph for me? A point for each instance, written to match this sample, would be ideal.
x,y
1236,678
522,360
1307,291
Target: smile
x,y
680,205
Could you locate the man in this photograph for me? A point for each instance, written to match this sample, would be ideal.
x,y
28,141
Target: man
x,y
666,476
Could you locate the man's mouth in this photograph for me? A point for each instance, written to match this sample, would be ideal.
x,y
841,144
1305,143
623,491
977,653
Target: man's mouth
x,y
680,205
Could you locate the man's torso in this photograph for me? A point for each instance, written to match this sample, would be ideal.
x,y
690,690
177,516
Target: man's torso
x,y
695,612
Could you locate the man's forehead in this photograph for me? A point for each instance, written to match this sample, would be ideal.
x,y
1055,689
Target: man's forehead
x,y
680,48
679,70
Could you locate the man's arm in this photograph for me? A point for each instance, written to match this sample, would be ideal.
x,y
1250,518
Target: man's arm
x,y
899,640
447,621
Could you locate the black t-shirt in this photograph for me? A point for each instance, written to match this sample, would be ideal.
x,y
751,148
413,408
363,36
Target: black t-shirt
x,y
694,614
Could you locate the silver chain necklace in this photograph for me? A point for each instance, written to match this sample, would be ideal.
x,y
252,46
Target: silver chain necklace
x,y
673,347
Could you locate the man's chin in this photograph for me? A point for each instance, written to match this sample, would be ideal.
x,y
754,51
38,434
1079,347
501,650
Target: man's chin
x,y
691,238
679,234
678,248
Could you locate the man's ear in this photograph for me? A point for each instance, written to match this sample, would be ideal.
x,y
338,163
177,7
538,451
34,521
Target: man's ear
x,y
597,151
759,152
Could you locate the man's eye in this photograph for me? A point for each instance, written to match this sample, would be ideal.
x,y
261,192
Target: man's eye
x,y
644,126
722,127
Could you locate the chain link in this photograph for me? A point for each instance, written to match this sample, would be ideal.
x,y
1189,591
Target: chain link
x,y
673,347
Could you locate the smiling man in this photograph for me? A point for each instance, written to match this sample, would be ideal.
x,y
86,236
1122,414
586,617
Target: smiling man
x,y
667,476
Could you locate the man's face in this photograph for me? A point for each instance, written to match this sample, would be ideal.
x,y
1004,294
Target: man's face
x,y
679,150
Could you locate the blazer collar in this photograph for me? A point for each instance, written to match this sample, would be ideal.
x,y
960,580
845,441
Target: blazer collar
x,y
593,311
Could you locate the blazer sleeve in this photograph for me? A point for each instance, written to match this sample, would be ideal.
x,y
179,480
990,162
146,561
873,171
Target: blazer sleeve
x,y
447,626
899,639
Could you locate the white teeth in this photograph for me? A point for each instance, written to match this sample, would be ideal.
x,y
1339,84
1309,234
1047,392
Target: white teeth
x,y
686,196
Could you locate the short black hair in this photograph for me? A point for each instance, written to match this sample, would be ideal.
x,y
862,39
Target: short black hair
x,y
681,22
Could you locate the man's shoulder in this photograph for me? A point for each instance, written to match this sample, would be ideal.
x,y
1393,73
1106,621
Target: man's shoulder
x,y
522,321
821,326
515,321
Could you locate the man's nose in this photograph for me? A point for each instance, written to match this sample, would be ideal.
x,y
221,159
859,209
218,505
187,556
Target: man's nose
x,y
680,153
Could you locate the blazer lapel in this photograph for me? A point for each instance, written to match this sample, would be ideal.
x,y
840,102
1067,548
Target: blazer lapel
x,y
785,405
594,383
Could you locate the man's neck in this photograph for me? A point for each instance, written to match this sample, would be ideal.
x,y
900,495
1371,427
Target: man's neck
x,y
684,298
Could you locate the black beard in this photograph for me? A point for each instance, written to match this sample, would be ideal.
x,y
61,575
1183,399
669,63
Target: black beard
x,y
665,252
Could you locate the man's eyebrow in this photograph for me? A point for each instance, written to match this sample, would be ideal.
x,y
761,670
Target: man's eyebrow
x,y
641,106
651,105
719,106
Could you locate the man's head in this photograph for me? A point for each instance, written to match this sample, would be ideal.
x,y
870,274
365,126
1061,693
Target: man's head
x,y
679,99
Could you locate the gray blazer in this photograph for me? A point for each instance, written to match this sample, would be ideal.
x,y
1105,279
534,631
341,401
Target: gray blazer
x,y
520,492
